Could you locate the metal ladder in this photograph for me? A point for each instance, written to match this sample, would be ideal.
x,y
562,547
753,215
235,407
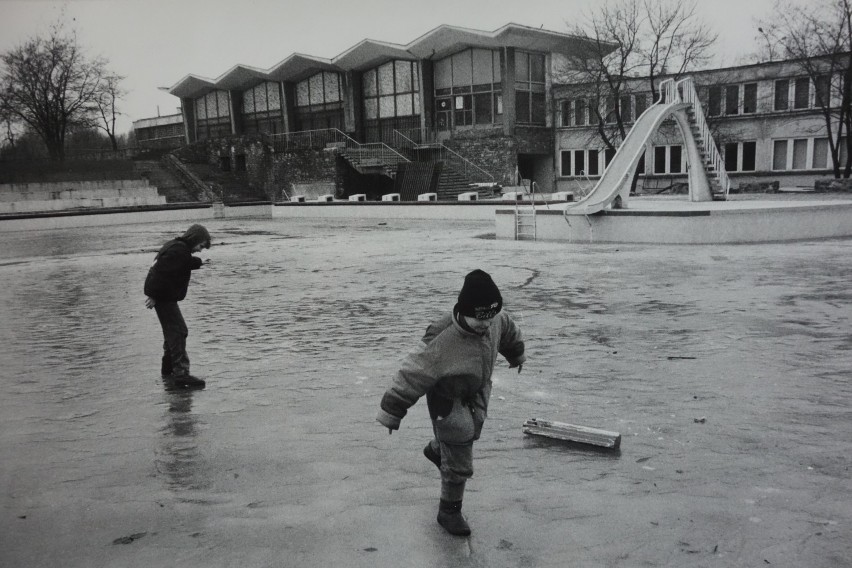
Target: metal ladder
x,y
525,223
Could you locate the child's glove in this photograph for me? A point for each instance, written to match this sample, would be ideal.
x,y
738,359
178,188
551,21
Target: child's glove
x,y
388,420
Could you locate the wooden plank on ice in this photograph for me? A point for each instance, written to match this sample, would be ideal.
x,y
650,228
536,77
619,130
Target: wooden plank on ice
x,y
572,433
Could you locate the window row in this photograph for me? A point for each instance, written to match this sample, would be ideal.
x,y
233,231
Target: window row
x,y
732,99
262,98
788,94
319,89
802,93
721,100
392,89
804,154
787,155
465,110
215,104
589,111
667,159
163,131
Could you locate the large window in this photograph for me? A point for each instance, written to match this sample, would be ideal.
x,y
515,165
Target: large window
x,y
580,163
468,89
822,91
623,109
732,99
725,99
319,102
740,156
804,154
529,88
391,94
213,115
782,94
798,94
262,109
565,113
668,159
801,93
749,98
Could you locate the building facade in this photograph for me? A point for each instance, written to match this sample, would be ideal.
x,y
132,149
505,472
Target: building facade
x,y
767,121
485,95
160,132
494,100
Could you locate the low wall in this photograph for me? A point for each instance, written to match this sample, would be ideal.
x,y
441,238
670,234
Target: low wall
x,y
32,205
752,223
128,216
468,210
49,187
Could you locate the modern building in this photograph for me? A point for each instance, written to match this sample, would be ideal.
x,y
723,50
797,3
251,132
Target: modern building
x,y
490,107
160,132
767,121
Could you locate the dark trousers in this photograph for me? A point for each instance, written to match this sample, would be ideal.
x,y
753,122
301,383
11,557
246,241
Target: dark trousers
x,y
175,360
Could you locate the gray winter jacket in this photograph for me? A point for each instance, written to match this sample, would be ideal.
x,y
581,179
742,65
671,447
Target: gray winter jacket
x,y
454,364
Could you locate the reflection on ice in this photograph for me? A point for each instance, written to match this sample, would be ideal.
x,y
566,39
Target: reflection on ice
x,y
178,455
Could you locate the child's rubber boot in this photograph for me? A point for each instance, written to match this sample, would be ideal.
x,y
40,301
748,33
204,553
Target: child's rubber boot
x,y
188,382
432,455
451,518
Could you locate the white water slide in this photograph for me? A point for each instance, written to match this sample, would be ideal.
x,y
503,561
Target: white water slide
x,y
613,188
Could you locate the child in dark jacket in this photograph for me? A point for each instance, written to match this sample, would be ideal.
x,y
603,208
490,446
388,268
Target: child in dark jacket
x,y
166,285
453,369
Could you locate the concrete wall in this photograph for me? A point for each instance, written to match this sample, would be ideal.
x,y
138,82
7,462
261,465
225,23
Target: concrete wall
x,y
490,149
274,173
751,223
7,189
98,218
32,197
478,211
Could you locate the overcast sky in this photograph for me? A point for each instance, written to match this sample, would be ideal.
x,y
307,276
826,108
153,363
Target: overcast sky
x,y
155,43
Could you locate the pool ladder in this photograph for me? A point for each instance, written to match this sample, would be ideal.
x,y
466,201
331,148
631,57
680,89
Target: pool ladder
x,y
525,223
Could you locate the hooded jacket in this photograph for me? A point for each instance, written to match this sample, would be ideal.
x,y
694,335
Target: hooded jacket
x,y
454,363
168,278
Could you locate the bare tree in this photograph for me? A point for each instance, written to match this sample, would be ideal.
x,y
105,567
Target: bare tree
x,y
49,85
7,124
104,108
818,38
605,68
633,42
632,39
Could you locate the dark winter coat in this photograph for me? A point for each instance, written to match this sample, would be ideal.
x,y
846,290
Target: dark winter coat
x,y
168,278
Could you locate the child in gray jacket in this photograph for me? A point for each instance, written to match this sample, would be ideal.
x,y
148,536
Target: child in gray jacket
x,y
453,369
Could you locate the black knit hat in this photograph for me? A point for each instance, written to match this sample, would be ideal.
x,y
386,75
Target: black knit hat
x,y
479,297
197,235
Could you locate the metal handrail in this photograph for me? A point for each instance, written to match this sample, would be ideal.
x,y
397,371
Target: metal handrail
x,y
468,168
305,139
424,136
687,87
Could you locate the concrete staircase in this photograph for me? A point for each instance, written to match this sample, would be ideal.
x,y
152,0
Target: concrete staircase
x,y
451,184
370,159
230,187
165,181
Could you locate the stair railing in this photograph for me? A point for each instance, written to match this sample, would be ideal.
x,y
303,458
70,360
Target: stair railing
x,y
373,153
188,178
421,136
689,95
455,160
